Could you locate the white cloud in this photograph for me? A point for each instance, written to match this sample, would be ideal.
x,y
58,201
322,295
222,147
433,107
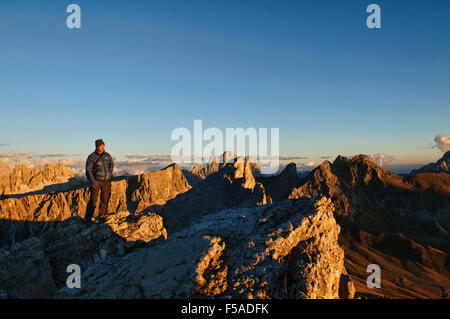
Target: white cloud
x,y
442,142
30,160
381,158
14,155
306,166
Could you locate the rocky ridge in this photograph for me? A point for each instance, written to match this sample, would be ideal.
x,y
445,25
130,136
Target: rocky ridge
x,y
198,172
442,165
374,198
27,215
36,267
284,250
22,179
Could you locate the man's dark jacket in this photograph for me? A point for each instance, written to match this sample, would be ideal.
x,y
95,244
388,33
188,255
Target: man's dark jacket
x,y
99,166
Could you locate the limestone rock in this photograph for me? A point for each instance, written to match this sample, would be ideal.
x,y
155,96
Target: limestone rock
x,y
288,249
5,169
26,215
232,186
36,267
279,187
215,164
195,175
25,271
374,198
23,179
442,165
144,227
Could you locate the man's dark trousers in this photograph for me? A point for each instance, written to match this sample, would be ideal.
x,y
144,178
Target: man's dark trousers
x,y
104,188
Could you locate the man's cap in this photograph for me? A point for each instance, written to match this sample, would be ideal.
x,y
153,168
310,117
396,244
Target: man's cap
x,y
99,142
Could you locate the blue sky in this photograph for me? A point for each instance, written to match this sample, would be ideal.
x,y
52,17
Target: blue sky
x,y
138,69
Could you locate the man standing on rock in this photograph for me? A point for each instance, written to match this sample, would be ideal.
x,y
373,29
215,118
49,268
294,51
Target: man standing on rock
x,y
99,171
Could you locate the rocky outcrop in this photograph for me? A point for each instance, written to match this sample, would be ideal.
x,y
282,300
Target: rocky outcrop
x,y
381,204
25,216
232,186
23,179
5,169
37,267
442,165
157,187
144,227
279,187
195,175
377,199
288,249
363,192
215,164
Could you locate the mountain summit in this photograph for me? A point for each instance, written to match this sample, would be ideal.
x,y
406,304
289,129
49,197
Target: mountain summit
x,y
442,165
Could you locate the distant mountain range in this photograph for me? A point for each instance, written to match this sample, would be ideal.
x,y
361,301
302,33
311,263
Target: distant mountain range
x,y
442,165
22,179
225,230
